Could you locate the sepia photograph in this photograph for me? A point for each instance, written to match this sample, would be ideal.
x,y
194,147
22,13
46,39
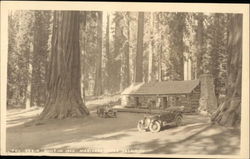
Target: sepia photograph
x,y
125,79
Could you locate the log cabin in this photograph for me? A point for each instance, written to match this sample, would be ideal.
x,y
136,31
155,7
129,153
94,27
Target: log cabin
x,y
163,94
195,95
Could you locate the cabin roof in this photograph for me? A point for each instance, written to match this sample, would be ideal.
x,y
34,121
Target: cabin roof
x,y
162,88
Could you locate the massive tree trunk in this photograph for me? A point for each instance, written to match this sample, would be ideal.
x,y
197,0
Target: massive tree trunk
x,y
63,85
229,112
139,51
83,55
98,73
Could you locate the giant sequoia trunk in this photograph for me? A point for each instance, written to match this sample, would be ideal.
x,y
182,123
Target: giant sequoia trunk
x,y
98,73
83,53
139,52
228,114
63,85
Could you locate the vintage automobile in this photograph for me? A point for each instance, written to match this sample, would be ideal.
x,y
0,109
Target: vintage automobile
x,y
106,111
155,122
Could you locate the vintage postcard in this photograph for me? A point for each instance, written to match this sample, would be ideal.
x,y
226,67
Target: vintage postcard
x,y
125,79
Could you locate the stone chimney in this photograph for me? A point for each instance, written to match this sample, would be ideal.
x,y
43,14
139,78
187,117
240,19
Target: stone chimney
x,y
208,100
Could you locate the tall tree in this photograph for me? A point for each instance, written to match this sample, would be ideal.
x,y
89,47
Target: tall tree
x,y
159,43
20,57
214,48
98,75
229,111
116,55
12,88
128,18
151,47
29,80
40,54
200,43
125,76
63,85
139,51
90,49
176,44
83,39
107,46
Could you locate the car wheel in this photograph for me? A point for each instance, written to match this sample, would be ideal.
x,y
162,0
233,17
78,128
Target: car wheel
x,y
140,126
178,121
155,126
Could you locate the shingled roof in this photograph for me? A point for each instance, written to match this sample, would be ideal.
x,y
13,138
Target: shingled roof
x,y
162,88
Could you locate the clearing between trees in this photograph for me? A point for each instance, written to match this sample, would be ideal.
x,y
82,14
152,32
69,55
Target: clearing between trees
x,y
117,135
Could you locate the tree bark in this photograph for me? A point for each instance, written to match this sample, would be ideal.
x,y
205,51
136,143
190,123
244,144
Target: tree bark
x,y
98,73
139,51
83,56
63,85
229,112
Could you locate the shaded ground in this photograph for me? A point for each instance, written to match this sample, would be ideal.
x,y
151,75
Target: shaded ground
x,y
119,135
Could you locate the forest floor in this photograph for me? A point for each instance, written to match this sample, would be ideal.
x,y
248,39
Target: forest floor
x,y
117,135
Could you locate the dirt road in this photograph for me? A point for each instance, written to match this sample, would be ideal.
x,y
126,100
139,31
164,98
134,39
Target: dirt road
x,y
119,135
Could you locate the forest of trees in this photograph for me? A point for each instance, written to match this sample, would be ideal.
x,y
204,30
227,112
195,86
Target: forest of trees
x,y
58,57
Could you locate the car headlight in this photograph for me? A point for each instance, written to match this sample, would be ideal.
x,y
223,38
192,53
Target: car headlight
x,y
147,121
